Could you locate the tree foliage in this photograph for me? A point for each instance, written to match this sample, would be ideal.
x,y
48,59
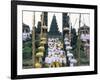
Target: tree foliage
x,y
27,50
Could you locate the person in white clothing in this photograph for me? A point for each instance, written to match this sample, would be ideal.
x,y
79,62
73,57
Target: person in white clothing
x,y
64,61
60,60
48,60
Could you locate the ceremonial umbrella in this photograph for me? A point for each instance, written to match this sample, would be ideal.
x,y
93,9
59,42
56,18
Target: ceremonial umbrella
x,y
39,54
66,39
66,42
41,48
42,42
66,28
44,27
38,65
87,45
68,47
73,60
44,39
69,54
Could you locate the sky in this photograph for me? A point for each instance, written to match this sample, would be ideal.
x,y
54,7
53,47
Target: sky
x,y
74,19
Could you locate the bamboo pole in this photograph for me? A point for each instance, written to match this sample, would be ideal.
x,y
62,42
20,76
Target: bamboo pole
x,y
79,40
33,40
42,24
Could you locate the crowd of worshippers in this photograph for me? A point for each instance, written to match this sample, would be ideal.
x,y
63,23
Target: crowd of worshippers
x,y
56,55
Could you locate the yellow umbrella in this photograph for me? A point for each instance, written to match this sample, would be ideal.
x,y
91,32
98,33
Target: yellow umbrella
x,y
42,42
41,48
39,54
38,65
44,39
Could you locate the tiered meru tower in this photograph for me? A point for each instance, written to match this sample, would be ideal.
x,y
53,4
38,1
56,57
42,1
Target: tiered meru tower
x,y
54,30
66,28
66,32
44,21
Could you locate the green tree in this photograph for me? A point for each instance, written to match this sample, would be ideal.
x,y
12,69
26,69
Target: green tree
x,y
27,52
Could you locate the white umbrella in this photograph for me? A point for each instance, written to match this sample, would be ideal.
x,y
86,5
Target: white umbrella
x,y
87,44
73,60
69,54
85,37
68,47
66,39
44,27
66,42
66,28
